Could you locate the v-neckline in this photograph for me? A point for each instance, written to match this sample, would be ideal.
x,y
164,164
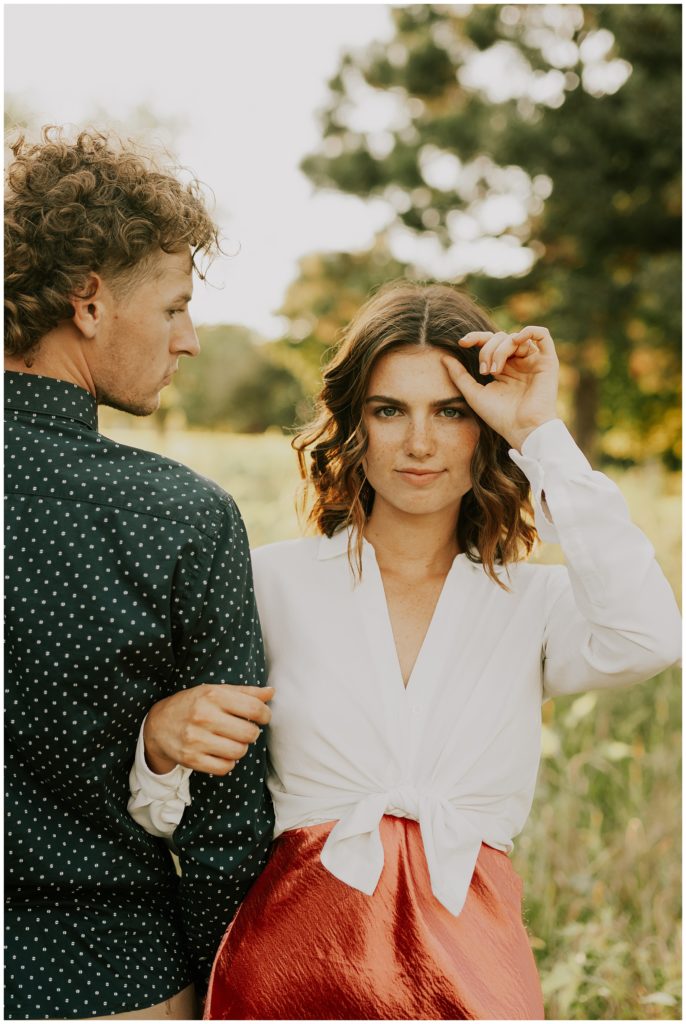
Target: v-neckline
x,y
382,643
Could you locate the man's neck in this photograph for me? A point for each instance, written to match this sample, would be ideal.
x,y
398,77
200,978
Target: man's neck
x,y
58,355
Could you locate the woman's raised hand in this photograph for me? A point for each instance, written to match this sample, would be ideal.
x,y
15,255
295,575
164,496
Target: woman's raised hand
x,y
523,392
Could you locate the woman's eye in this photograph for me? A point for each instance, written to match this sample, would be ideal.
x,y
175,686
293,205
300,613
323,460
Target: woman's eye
x,y
451,413
386,412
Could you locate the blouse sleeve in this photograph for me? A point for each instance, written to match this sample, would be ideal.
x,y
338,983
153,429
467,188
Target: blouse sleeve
x,y
157,802
611,616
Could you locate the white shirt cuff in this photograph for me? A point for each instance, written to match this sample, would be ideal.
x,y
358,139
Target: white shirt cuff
x,y
550,448
157,801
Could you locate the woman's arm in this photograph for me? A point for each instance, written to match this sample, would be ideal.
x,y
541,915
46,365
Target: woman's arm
x,y
157,802
611,619
207,728
611,616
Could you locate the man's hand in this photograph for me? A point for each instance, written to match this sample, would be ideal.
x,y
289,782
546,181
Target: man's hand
x,y
207,728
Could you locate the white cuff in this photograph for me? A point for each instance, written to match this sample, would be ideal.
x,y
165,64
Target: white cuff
x,y
157,801
550,447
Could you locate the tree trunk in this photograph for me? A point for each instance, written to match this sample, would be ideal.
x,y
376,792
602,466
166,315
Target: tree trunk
x,y
586,399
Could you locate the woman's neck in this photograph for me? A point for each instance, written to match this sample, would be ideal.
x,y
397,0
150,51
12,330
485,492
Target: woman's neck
x,y
412,545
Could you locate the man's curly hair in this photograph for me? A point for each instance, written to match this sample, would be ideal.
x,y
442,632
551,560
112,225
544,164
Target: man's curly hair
x,y
95,204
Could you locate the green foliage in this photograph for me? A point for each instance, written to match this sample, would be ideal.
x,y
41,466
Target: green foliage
x,y
237,384
601,186
600,855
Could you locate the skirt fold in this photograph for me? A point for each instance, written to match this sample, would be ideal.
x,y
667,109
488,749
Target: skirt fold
x,y
305,946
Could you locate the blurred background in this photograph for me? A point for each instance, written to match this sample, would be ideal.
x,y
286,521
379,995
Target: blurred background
x,y
530,154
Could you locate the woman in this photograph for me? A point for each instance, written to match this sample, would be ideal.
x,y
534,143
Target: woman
x,y
410,646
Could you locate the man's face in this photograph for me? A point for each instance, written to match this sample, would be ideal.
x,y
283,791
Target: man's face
x,y
144,331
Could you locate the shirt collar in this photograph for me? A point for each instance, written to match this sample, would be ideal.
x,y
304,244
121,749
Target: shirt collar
x,y
337,545
333,547
47,396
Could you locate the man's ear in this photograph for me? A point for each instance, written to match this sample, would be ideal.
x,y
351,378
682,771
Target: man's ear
x,y
89,306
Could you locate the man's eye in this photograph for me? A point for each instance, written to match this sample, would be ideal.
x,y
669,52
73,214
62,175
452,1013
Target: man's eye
x,y
172,312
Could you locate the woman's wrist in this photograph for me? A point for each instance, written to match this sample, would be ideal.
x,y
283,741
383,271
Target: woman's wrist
x,y
155,759
516,438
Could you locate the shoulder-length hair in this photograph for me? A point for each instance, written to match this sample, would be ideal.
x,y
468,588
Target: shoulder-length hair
x,y
493,526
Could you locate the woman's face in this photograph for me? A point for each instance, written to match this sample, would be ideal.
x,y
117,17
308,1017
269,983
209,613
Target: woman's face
x,y
421,434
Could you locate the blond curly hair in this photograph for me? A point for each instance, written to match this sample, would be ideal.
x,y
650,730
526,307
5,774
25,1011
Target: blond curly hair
x,y
95,204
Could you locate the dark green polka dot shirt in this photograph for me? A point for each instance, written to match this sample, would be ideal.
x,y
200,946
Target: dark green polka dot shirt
x,y
127,578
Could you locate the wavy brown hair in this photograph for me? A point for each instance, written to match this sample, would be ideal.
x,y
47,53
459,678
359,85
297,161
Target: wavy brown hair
x,y
95,204
494,524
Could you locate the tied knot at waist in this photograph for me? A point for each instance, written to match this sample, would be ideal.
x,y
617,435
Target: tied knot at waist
x,y
353,851
403,802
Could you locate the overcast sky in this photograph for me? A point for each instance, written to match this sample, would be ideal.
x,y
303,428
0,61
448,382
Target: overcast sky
x,y
245,83
242,85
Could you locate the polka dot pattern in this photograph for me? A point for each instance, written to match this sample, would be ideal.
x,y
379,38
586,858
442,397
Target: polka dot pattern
x,y
127,579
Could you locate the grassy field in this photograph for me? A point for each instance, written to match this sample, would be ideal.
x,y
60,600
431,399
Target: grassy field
x,y
600,855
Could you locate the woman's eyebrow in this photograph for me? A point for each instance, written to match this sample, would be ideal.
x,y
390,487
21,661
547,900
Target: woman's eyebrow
x,y
441,403
383,398
445,402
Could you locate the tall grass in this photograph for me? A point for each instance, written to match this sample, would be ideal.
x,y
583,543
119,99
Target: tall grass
x,y
600,854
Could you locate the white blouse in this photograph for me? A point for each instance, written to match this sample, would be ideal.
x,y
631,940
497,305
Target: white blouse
x,y
458,749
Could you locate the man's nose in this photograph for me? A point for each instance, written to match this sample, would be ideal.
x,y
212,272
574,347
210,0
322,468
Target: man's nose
x,y
186,339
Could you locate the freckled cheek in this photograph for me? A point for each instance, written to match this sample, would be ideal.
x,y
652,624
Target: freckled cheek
x,y
463,447
380,457
475,434
469,435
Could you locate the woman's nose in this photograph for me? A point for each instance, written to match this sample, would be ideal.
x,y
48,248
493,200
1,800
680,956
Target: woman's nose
x,y
419,440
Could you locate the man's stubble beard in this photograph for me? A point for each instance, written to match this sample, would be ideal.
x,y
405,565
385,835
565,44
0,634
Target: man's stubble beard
x,y
115,366
130,405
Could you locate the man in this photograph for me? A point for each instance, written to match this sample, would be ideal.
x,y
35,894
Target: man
x,y
127,580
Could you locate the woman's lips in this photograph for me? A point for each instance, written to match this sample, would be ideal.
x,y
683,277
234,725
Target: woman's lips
x,y
419,477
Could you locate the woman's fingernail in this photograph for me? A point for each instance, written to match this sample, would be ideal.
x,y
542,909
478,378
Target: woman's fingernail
x,y
483,368
494,367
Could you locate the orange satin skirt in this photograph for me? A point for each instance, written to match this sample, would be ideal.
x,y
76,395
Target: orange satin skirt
x,y
305,946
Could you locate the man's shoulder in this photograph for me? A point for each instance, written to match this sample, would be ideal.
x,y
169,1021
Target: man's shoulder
x,y
57,462
158,485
